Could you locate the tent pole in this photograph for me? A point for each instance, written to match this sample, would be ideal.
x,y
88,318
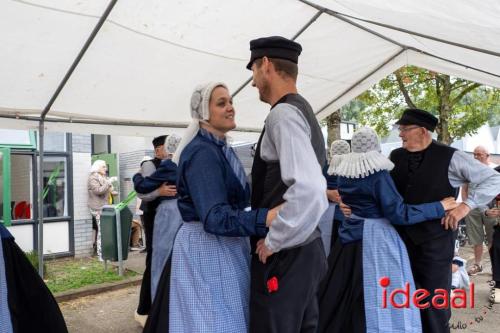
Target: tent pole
x,y
41,127
304,28
41,134
359,81
388,26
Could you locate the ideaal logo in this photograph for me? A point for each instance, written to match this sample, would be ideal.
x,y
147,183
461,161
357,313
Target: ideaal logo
x,y
440,300
419,298
463,325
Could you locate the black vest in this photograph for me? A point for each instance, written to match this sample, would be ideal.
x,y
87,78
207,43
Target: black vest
x,y
427,184
267,187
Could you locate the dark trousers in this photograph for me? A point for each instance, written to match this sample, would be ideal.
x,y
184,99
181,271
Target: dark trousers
x,y
145,294
431,265
495,256
293,308
158,318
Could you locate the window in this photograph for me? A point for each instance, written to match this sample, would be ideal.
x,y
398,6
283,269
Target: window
x,y
54,193
54,141
21,187
5,186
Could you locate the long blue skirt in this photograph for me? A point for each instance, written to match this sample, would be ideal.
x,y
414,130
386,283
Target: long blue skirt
x,y
5,320
210,282
167,222
385,255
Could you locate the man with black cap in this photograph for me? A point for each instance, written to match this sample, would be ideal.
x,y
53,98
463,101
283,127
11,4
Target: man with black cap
x,y
287,266
426,171
148,206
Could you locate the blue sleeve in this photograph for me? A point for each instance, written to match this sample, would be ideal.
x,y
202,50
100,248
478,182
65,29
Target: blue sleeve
x,y
145,184
395,210
331,180
166,172
204,177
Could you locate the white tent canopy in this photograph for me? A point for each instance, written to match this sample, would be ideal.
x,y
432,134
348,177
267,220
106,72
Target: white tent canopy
x,y
137,76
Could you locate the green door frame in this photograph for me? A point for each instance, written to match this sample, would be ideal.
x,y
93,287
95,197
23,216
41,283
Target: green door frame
x,y
6,219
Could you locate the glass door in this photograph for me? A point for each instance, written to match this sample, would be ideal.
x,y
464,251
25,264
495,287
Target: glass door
x,y
5,202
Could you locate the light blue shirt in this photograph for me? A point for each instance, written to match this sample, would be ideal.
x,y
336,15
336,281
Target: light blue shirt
x,y
484,181
287,139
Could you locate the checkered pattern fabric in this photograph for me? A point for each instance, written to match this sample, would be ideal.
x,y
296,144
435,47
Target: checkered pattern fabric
x,y
340,147
167,222
171,143
364,140
385,255
210,282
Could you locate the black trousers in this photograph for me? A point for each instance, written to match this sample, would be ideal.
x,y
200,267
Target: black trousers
x,y
431,265
293,308
145,294
495,256
158,318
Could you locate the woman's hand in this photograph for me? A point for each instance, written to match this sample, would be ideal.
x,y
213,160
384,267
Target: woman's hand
x,y
271,214
333,195
449,203
346,210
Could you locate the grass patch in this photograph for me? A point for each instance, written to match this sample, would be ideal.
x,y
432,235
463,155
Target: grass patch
x,y
67,274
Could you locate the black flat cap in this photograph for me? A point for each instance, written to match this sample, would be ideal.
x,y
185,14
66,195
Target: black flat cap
x,y
159,140
418,117
274,47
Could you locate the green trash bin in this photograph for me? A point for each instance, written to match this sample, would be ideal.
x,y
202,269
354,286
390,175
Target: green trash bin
x,y
109,245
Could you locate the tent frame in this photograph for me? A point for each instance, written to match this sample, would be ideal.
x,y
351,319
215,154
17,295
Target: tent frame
x,y
41,128
321,112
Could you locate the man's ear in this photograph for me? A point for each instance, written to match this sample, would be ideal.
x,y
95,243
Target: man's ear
x,y
266,63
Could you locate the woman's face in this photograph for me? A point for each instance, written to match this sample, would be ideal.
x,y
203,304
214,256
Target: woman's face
x,y
221,110
103,169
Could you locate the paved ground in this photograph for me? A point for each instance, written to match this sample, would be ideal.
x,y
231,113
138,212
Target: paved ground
x,y
481,319
113,311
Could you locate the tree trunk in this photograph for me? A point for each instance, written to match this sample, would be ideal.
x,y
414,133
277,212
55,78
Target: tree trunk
x,y
333,127
444,110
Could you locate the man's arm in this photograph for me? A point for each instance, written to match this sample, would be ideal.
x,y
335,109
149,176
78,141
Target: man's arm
x,y
147,169
305,199
465,169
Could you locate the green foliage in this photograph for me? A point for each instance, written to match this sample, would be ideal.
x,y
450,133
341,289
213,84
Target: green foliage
x,y
463,105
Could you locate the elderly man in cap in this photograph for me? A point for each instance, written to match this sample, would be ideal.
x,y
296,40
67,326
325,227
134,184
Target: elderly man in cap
x,y
426,171
288,264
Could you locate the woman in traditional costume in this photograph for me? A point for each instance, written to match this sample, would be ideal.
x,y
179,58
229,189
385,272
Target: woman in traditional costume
x,y
166,224
369,252
210,281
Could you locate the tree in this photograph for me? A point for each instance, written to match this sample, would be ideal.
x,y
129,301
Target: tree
x,y
349,112
333,127
462,106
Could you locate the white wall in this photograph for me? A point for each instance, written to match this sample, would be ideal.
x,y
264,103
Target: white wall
x,y
482,138
126,144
